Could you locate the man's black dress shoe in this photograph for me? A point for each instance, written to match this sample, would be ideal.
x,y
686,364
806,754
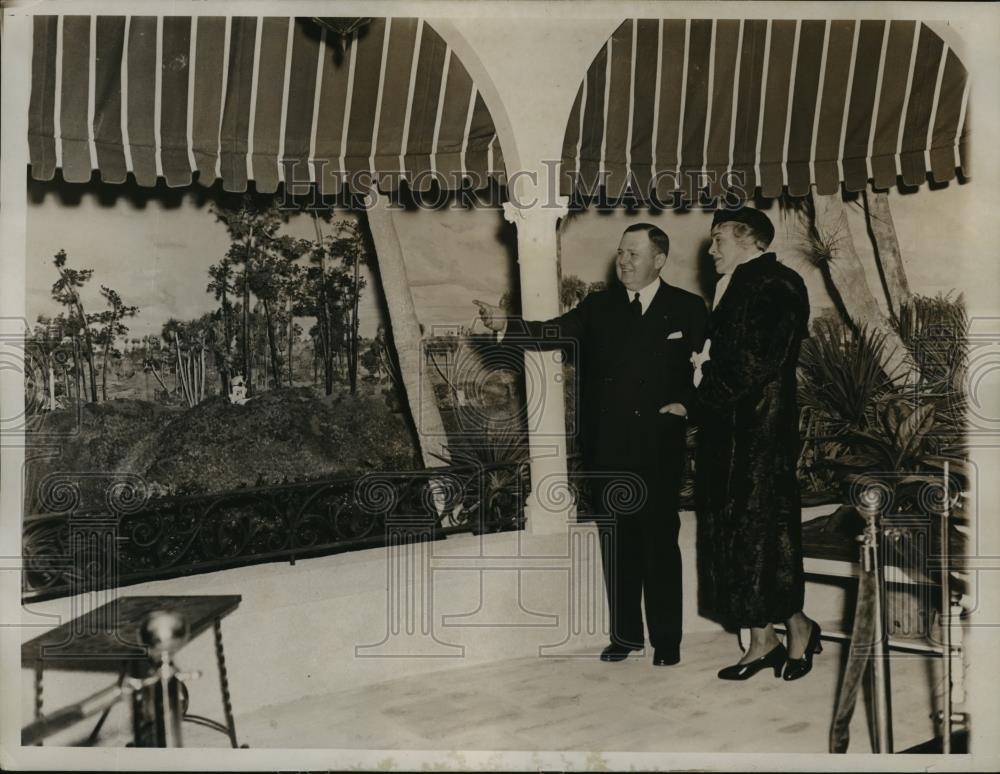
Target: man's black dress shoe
x,y
800,667
775,659
666,656
616,652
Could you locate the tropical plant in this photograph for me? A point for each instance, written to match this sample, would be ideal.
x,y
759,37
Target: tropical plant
x,y
826,239
935,331
190,342
323,290
867,422
66,290
221,285
501,452
47,351
252,223
841,376
111,328
896,440
348,243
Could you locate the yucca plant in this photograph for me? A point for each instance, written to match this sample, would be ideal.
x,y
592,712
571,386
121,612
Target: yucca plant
x,y
501,451
841,377
841,380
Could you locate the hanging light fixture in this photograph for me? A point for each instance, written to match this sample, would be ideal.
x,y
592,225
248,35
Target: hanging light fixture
x,y
339,31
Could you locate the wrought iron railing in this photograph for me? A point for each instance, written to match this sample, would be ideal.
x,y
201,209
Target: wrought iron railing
x,y
135,538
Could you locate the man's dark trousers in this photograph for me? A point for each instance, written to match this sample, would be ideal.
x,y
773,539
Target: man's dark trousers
x,y
642,561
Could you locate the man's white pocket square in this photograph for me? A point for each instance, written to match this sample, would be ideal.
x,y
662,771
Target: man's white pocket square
x,y
676,335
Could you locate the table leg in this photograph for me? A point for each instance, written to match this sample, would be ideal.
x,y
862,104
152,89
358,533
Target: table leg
x,y
227,706
38,695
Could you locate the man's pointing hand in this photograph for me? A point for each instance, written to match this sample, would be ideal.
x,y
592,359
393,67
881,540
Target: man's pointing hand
x,y
493,317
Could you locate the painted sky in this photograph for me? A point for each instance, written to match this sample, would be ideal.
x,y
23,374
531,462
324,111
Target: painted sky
x,y
155,248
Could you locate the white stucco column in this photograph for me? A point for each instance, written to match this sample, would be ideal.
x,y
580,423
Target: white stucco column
x,y
549,508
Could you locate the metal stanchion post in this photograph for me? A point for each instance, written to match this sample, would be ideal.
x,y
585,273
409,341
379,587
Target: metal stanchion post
x,y
870,563
156,700
946,619
164,633
168,706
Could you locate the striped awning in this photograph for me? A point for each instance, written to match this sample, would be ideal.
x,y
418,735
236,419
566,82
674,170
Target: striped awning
x,y
776,105
248,98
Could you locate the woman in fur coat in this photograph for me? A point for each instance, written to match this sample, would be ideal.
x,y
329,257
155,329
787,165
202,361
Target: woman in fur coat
x,y
749,513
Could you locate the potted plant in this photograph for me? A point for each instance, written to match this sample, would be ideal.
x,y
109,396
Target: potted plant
x,y
894,435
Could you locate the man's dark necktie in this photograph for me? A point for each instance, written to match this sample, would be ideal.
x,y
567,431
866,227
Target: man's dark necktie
x,y
636,307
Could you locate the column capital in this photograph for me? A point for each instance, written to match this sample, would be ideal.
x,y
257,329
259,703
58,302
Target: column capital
x,y
550,212
512,213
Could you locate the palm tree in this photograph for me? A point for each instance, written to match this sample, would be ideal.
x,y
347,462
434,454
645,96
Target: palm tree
x,y
112,327
348,244
290,290
887,253
66,292
252,224
265,282
221,286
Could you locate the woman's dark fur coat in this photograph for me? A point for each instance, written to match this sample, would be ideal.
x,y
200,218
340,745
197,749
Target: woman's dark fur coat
x,y
749,513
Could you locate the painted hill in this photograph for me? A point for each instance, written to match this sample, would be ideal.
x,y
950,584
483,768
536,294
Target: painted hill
x,y
282,435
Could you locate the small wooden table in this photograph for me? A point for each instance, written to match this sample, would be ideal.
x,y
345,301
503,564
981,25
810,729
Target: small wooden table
x,y
107,640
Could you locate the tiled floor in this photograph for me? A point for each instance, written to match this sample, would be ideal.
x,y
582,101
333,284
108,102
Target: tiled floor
x,y
584,704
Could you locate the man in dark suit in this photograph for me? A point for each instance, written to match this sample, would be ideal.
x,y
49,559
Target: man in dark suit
x,y
634,379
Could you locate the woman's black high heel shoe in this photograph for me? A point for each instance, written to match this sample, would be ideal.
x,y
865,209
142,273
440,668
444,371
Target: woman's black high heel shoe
x,y
799,667
774,658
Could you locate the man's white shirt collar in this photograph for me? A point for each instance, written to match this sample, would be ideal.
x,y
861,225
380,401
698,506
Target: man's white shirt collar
x,y
645,294
723,283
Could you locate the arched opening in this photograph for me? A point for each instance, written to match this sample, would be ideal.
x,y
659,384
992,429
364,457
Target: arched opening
x,y
821,123
309,113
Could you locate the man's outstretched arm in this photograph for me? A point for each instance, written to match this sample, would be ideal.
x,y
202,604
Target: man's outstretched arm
x,y
512,330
